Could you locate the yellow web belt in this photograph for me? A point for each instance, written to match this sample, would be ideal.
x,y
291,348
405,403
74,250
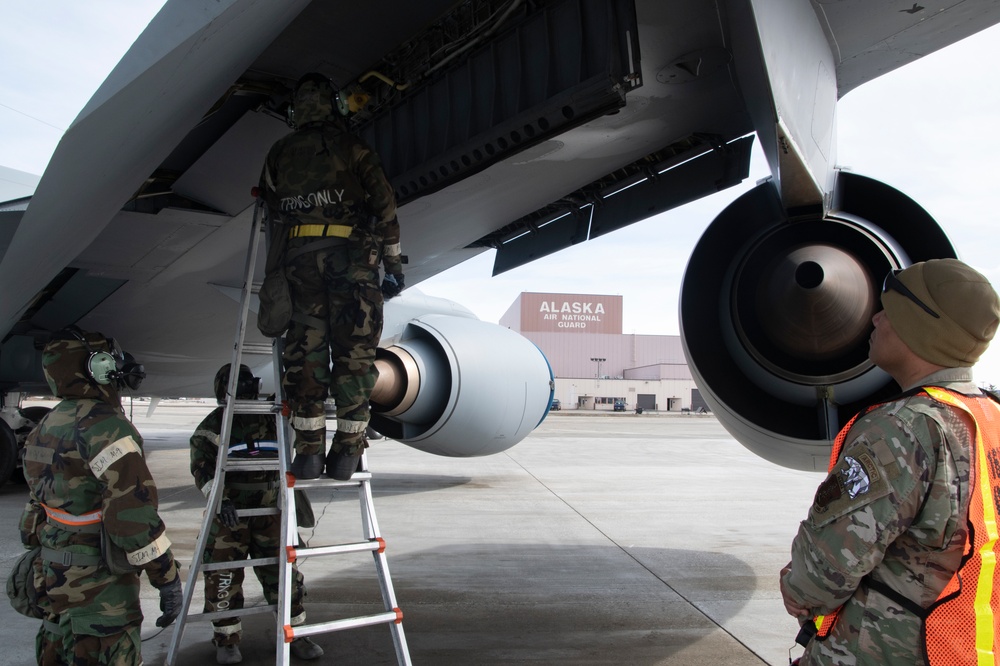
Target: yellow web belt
x,y
320,231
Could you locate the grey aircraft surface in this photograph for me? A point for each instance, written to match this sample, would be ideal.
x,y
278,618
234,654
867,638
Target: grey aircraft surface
x,y
514,125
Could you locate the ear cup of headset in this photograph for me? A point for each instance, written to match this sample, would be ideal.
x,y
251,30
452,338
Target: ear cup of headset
x,y
342,103
112,366
102,367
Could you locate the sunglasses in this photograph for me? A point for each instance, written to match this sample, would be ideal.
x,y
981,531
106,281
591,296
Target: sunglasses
x,y
891,282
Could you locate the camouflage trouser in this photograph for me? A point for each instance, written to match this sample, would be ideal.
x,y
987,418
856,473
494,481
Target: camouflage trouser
x,y
258,536
331,285
64,648
91,615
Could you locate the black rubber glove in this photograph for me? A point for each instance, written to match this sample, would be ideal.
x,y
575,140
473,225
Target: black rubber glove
x,y
392,284
170,603
227,514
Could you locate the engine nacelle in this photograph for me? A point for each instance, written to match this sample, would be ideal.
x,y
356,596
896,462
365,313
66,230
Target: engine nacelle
x,y
776,312
456,386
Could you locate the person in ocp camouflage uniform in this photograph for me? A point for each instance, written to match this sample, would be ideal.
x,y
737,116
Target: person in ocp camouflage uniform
x,y
85,471
327,190
232,538
888,527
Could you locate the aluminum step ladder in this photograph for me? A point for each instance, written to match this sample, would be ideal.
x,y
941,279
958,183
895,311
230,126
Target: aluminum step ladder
x,y
290,552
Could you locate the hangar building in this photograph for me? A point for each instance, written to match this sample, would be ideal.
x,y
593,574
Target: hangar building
x,y
594,363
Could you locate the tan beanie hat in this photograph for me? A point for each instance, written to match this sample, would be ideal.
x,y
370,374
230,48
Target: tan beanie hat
x,y
966,302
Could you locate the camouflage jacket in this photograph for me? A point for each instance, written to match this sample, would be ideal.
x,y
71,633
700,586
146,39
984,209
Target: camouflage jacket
x,y
252,435
322,174
83,457
894,510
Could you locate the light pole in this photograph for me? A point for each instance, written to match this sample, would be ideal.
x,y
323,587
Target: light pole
x,y
598,361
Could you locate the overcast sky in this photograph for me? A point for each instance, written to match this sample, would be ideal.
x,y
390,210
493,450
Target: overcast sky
x,y
928,129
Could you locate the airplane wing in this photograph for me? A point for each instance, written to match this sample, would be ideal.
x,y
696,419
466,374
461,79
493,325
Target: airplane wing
x,y
523,127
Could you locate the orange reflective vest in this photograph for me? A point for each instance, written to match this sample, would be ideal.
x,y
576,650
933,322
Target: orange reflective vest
x,y
960,627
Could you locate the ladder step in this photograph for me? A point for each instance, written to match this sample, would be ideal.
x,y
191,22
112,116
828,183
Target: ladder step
x,y
239,564
326,482
258,348
248,513
394,616
358,547
221,615
268,407
273,464
255,407
251,465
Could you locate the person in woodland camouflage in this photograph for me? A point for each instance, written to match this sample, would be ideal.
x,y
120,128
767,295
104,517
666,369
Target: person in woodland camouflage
x,y
86,474
233,538
326,190
888,527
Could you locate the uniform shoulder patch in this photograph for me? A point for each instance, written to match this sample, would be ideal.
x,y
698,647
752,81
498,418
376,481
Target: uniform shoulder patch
x,y
858,479
830,490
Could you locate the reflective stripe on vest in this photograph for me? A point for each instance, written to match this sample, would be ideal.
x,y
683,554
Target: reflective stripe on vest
x,y
65,518
824,623
88,522
962,626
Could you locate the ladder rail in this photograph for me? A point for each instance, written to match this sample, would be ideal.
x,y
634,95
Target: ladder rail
x,y
214,495
370,525
289,531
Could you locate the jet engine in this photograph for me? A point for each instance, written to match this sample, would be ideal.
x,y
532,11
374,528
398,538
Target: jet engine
x,y
456,386
776,311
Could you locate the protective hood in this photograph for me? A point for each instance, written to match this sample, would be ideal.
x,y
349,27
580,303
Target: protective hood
x,y
314,102
247,386
65,361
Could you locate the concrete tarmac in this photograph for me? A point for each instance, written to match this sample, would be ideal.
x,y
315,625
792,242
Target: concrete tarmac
x,y
603,538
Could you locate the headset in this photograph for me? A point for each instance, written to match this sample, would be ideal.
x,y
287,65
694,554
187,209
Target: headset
x,y
341,100
105,367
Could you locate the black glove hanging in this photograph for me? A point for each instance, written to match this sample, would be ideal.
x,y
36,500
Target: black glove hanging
x,y
227,514
392,285
170,602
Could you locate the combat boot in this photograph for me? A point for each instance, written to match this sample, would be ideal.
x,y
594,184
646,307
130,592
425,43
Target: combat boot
x,y
303,648
341,465
228,654
307,465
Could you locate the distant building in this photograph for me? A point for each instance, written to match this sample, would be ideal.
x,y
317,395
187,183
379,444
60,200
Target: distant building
x,y
564,313
594,363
